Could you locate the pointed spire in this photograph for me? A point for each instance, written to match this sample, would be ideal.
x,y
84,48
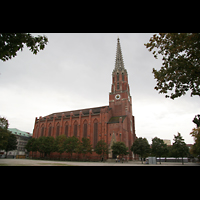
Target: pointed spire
x,y
119,63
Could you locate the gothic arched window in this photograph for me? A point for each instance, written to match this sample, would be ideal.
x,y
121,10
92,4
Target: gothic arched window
x,y
85,128
122,76
37,130
42,130
75,128
49,133
66,129
117,86
95,133
117,76
57,129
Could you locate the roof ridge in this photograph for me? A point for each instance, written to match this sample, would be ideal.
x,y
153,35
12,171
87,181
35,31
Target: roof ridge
x,y
76,110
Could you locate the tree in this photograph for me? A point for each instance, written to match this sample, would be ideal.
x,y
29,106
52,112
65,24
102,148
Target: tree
x,y
180,69
196,120
4,133
195,149
48,145
30,146
12,142
179,148
4,123
40,144
158,148
10,43
119,148
101,148
59,144
86,147
71,144
141,147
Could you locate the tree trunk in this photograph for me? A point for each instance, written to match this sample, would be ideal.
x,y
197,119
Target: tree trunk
x,y
160,161
142,160
182,161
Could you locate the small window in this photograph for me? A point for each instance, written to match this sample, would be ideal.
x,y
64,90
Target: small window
x,y
57,130
122,76
75,130
117,76
117,86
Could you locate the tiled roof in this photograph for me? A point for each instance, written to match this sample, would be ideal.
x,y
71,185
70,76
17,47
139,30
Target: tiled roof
x,y
116,119
16,131
76,112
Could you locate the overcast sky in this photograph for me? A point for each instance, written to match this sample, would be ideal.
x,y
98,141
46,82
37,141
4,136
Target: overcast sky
x,y
74,72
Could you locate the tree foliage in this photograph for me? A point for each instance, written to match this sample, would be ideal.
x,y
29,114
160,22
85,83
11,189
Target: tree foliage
x,y
119,148
196,120
195,149
101,148
10,43
71,144
86,146
158,148
180,69
31,145
59,144
12,142
4,134
8,141
141,147
179,148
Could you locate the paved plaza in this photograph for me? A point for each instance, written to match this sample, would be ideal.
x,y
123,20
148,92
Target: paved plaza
x,y
29,162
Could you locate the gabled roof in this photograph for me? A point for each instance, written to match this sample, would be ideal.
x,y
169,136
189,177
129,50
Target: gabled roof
x,y
116,119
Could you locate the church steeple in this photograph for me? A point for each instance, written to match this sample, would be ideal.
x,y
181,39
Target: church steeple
x,y
119,63
119,97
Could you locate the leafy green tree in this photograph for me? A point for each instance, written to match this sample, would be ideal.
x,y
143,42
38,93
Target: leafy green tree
x,y
196,120
158,148
71,144
10,43
39,143
119,148
30,146
12,142
101,148
4,134
141,147
4,123
179,148
86,146
195,149
48,145
59,144
180,69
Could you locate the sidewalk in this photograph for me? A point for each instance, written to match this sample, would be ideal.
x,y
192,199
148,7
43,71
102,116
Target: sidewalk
x,y
29,162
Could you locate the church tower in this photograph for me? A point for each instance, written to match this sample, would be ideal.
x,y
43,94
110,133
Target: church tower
x,y
119,97
121,126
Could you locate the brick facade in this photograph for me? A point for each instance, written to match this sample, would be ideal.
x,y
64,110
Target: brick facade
x,y
109,123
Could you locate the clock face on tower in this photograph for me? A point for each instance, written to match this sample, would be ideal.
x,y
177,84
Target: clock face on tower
x,y
117,96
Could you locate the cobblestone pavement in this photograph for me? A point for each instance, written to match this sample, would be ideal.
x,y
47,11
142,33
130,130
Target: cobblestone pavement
x,y
29,162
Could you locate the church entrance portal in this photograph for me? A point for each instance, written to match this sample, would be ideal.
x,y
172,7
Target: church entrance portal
x,y
114,156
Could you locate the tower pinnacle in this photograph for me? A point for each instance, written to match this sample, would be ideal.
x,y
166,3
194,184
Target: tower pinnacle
x,y
119,63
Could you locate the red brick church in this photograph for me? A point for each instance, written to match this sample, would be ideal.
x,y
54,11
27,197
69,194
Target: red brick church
x,y
110,123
